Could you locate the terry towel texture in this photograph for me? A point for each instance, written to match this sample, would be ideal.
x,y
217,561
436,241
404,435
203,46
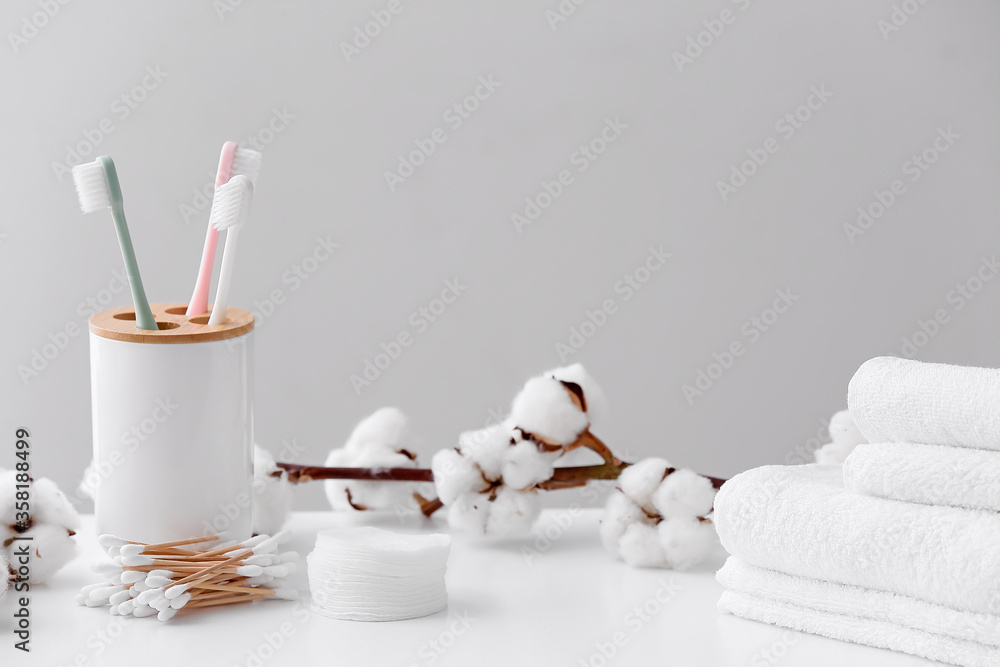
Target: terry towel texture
x,y
842,599
899,400
926,474
880,634
802,521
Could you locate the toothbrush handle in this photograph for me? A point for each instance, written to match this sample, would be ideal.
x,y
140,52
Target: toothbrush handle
x,y
143,315
199,300
225,277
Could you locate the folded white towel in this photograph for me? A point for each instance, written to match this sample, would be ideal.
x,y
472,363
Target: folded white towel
x,y
898,400
846,600
880,634
927,474
801,520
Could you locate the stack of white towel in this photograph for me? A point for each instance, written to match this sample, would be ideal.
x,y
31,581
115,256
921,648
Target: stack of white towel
x,y
900,548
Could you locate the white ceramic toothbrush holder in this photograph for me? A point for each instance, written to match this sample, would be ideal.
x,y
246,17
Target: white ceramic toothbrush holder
x,y
173,425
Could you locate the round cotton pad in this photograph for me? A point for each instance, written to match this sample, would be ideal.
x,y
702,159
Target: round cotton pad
x,y
371,574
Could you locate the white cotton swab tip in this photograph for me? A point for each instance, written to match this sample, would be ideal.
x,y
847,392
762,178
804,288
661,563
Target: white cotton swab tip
x,y
160,603
113,610
137,561
175,591
91,587
166,614
103,594
148,596
180,601
107,541
126,608
132,576
158,582
119,597
250,570
276,571
143,612
286,594
132,549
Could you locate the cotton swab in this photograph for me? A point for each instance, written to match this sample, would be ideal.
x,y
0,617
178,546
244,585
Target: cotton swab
x,y
162,579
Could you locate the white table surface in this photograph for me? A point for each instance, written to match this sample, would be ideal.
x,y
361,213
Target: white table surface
x,y
555,608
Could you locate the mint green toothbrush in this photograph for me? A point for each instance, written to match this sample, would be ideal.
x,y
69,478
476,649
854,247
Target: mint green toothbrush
x,y
97,186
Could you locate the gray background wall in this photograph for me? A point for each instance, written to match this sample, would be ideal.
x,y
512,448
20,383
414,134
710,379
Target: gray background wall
x,y
222,75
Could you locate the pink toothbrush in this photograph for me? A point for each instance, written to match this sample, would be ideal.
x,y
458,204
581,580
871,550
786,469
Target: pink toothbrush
x,y
234,160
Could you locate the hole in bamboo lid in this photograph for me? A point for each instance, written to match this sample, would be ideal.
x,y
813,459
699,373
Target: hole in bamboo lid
x,y
203,319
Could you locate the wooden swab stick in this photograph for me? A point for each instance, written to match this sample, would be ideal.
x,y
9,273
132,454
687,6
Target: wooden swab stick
x,y
226,600
235,589
204,574
180,543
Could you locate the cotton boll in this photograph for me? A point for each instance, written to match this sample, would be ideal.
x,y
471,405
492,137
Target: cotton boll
x,y
374,443
833,453
487,448
8,491
524,465
597,403
686,541
469,513
843,429
619,513
50,548
455,476
50,505
845,435
640,546
512,512
272,496
385,427
684,493
87,488
376,494
640,479
545,408
4,573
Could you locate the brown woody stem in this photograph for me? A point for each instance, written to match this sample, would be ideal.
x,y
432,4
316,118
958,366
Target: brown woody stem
x,y
563,478
298,474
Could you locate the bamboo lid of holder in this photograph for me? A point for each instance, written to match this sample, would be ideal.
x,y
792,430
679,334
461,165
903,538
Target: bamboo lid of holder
x,y
175,326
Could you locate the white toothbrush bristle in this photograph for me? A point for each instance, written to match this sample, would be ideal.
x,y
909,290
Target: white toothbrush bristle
x,y
246,162
91,187
231,203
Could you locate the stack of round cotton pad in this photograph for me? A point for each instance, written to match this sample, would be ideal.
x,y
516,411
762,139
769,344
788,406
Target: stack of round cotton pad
x,y
370,574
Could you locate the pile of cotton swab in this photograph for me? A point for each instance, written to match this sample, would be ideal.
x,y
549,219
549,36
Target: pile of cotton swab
x,y
161,579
